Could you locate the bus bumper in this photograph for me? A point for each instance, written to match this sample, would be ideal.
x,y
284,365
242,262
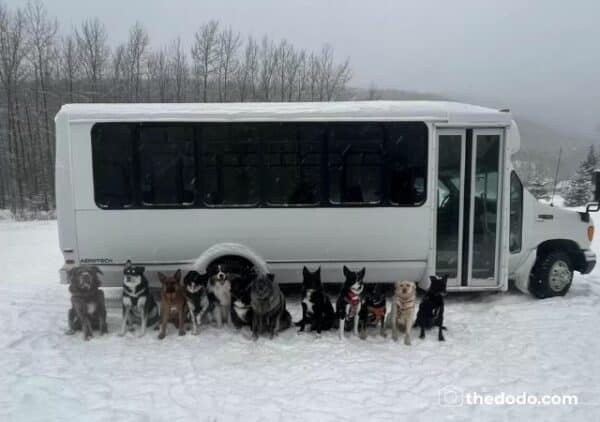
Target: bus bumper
x,y
590,261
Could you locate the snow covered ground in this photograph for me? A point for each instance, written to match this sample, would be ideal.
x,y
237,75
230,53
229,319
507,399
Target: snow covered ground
x,y
496,344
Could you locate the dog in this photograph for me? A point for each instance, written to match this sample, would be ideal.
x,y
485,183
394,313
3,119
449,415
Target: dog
x,y
219,288
172,303
138,303
317,309
373,311
269,313
402,314
88,309
241,307
351,300
196,297
431,309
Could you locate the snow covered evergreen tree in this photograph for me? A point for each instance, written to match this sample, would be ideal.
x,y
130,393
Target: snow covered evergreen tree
x,y
580,189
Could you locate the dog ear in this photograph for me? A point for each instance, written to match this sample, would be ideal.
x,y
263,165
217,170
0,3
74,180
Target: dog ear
x,y
271,276
305,271
177,276
162,277
96,270
318,272
128,263
346,272
397,284
361,273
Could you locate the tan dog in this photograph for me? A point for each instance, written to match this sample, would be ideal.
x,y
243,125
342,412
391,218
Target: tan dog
x,y
172,303
402,314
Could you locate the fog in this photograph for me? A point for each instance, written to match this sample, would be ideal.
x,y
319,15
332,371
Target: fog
x,y
540,58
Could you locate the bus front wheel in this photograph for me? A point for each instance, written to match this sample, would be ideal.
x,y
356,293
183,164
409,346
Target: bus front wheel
x,y
552,275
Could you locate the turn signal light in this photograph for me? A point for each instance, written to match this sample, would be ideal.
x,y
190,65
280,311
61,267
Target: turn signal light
x,y
590,233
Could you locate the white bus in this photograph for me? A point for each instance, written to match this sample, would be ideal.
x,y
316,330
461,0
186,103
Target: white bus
x,y
405,189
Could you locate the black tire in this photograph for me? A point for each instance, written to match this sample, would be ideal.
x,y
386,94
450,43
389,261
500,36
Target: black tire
x,y
549,277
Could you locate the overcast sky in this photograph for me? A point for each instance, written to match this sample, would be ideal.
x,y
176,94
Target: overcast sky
x,y
539,57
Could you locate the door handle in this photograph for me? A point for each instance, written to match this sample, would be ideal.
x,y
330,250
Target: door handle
x,y
542,217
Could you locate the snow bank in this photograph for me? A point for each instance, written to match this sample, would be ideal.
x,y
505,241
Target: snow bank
x,y
496,343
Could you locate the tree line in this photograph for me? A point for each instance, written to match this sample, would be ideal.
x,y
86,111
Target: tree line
x,y
42,67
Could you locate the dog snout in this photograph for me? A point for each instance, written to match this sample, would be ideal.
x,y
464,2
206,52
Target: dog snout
x,y
220,276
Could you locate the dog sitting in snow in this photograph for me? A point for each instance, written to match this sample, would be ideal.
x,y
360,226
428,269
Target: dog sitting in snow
x,y
139,306
241,307
172,303
373,311
88,309
431,309
196,296
402,314
269,313
219,289
351,300
317,309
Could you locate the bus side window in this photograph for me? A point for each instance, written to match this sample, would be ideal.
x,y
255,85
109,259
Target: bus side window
x,y
355,164
112,163
516,213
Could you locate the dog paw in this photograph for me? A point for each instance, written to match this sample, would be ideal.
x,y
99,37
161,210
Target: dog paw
x,y
69,332
441,338
161,336
121,333
182,333
407,341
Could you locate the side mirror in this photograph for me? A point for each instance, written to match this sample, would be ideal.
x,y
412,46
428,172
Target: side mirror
x,y
596,178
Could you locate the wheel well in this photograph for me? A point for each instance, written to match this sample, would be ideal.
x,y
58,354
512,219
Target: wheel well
x,y
565,245
245,262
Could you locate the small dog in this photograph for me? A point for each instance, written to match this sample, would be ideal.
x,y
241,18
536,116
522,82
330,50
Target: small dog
x,y
172,303
269,313
317,309
373,311
138,302
402,314
241,308
431,309
219,289
196,297
351,300
88,309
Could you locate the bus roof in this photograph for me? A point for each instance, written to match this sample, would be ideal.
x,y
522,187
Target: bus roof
x,y
440,111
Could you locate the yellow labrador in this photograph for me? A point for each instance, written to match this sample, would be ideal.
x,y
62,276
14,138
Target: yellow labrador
x,y
402,315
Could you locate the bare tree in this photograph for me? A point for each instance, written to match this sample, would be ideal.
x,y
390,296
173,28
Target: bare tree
x,y
229,43
12,54
159,74
179,70
135,50
204,52
332,77
69,64
94,51
246,73
268,66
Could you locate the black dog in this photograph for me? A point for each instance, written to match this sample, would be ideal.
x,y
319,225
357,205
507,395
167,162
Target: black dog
x,y
317,309
196,297
431,309
373,311
88,309
269,314
241,307
351,299
139,305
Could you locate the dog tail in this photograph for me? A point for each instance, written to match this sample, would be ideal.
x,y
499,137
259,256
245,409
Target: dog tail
x,y
286,320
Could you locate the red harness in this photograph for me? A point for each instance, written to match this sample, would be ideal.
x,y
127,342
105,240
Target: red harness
x,y
353,300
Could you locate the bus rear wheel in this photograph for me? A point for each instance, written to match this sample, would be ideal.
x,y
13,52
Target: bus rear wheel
x,y
552,275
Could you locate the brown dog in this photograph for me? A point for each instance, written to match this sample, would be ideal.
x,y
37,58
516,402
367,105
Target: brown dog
x,y
88,310
172,303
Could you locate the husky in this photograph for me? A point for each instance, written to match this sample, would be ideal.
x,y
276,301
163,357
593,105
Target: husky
x,y
88,309
139,305
351,300
317,309
196,297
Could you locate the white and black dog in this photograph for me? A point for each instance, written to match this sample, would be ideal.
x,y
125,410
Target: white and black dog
x,y
196,297
139,305
351,300
219,289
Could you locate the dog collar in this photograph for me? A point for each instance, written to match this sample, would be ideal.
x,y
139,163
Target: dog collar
x,y
353,298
